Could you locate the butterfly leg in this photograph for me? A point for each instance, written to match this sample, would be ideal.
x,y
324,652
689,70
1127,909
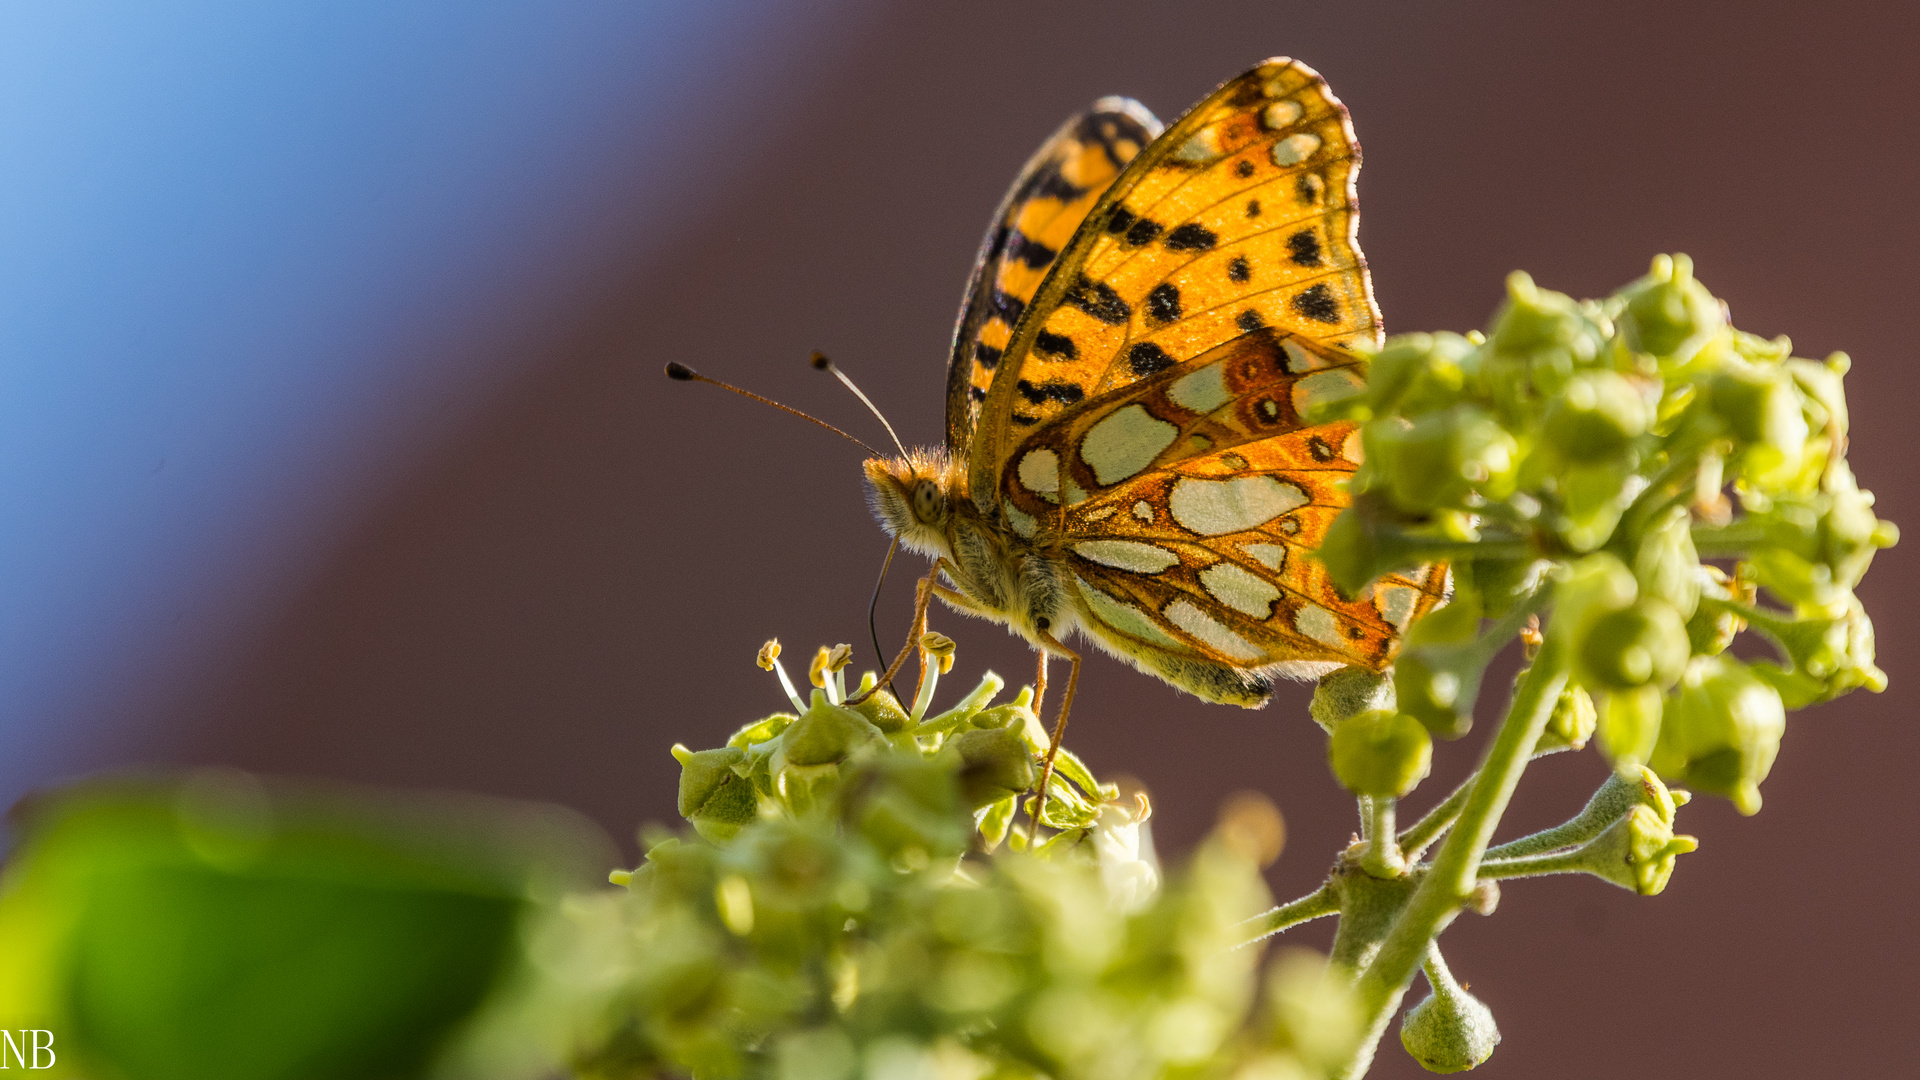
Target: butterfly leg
x,y
1049,643
1040,681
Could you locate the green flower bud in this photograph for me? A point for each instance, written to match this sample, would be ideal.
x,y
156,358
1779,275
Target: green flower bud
x,y
1535,320
1667,566
1345,691
1630,724
1417,373
1441,458
1642,644
1721,732
1590,588
715,799
1713,626
883,711
1636,852
1367,540
1380,753
1669,314
1571,724
826,734
994,763
1450,1030
1437,678
1761,407
1596,417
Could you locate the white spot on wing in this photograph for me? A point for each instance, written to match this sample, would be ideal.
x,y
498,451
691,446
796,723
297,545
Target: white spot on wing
x,y
1125,442
1350,449
1280,114
1319,624
1211,633
1203,147
1332,384
1040,472
1143,510
1130,555
1101,514
1271,556
1218,507
1202,391
1126,618
1239,590
1395,604
1023,523
1295,149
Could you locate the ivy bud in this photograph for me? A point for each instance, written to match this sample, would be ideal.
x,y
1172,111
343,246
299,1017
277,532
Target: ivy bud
x,y
1712,627
1630,724
1636,852
1596,417
1668,313
1667,565
826,734
994,764
1416,373
1534,320
1571,724
1380,753
1442,457
1761,407
1450,1030
883,711
1345,691
1642,644
1721,732
715,799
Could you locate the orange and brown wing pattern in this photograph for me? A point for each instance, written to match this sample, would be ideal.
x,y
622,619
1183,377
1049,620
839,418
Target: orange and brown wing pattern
x,y
1188,503
1041,212
1239,217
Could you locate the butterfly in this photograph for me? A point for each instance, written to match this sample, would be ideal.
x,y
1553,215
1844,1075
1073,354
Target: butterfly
x,y
1152,315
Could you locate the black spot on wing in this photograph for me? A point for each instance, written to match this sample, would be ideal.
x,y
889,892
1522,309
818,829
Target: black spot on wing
x,y
1249,320
1024,420
1306,188
1239,269
1146,358
1024,249
1191,237
1007,308
1143,231
1065,393
1253,208
1120,220
1057,345
1243,168
1163,303
1321,449
1303,248
986,355
1047,183
1318,304
1098,299
976,393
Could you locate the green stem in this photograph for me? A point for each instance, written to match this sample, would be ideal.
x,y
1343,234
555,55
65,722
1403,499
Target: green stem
x,y
1455,871
1428,829
1382,855
1558,862
1315,905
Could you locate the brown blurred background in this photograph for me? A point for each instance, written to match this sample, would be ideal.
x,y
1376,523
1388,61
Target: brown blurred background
x,y
577,576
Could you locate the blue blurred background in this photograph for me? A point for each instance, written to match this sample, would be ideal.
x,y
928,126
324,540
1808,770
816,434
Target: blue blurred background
x,y
333,440
256,258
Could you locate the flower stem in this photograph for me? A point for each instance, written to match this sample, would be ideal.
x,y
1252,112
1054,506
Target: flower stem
x,y
1315,905
1455,871
1382,856
1428,829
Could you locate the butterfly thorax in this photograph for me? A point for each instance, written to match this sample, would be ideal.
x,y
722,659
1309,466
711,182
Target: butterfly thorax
x,y
1019,581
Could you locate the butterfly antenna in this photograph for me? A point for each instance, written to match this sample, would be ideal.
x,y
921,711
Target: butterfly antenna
x,y
873,606
682,373
820,361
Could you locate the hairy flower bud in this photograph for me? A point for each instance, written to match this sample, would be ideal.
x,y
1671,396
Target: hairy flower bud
x,y
1380,753
1721,731
1642,644
712,796
1668,313
825,734
1636,852
1596,417
1417,373
994,764
1571,724
1441,458
1450,1030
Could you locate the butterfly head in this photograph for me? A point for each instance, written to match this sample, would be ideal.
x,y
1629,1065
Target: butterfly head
x,y
913,498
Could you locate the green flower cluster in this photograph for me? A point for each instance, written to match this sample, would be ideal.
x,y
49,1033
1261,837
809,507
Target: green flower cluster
x,y
1583,458
859,898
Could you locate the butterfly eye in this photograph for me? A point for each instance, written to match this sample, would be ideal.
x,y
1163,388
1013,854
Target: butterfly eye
x,y
926,501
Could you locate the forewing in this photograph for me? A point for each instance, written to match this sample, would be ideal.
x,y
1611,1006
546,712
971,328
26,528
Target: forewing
x,y
1239,217
1039,215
